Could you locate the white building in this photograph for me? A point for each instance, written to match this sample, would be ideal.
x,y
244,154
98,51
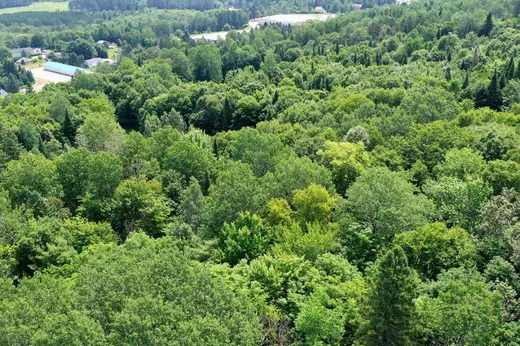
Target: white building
x,y
63,69
96,61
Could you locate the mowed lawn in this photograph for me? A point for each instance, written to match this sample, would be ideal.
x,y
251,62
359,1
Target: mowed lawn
x,y
38,6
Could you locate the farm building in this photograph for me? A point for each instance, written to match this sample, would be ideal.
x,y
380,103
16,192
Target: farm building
x,y
22,61
293,19
96,61
28,51
66,70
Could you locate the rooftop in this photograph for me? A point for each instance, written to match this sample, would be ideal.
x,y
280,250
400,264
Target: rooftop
x,y
68,68
3,92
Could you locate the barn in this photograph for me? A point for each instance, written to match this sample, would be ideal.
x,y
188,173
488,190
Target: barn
x,y
67,70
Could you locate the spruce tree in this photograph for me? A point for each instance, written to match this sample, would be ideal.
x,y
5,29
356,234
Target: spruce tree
x,y
448,74
476,57
494,95
510,69
488,26
466,80
390,309
502,81
69,129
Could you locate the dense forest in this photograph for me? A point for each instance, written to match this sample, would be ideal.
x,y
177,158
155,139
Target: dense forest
x,y
348,182
14,3
19,3
96,5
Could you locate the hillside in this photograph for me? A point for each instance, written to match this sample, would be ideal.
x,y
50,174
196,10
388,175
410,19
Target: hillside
x,y
352,181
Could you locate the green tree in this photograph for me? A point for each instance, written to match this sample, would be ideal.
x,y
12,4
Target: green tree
x,y
434,248
389,310
246,238
33,181
138,205
460,308
387,203
488,26
207,63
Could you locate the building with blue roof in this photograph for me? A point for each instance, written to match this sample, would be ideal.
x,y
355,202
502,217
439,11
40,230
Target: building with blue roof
x,y
67,70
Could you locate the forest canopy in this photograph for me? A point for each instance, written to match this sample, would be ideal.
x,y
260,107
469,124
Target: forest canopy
x,y
347,182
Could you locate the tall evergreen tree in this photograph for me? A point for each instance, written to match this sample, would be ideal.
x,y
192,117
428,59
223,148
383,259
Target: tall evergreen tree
x,y
69,129
488,26
466,80
510,69
390,308
494,95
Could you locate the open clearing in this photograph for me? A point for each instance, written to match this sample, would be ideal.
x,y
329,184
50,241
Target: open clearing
x,y
43,77
38,7
292,19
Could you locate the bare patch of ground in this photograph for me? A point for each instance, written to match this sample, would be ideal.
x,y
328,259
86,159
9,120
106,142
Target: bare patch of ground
x,y
43,78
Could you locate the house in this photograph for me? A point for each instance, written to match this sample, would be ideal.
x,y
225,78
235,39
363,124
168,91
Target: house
x,y
96,61
27,51
23,61
358,6
320,9
66,70
3,93
107,43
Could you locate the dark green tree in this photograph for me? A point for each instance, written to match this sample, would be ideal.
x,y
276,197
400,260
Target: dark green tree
x,y
389,308
69,128
488,26
494,95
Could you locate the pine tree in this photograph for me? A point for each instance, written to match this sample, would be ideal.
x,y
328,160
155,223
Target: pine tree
x,y
448,74
517,71
476,58
227,112
510,69
488,26
12,85
69,129
494,95
502,81
466,80
390,308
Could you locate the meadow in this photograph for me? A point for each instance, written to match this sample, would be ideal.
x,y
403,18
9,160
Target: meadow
x,y
38,7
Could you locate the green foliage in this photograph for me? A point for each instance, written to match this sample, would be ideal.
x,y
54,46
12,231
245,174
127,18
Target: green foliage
x,y
387,203
460,306
389,311
435,248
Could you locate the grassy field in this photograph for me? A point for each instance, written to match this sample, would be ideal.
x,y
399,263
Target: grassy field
x,y
38,6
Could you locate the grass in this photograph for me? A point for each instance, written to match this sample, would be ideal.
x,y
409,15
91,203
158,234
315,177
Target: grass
x,y
38,7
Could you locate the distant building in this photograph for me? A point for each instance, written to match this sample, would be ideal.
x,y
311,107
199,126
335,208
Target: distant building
x,y
66,70
96,61
3,93
17,53
320,9
109,44
292,19
24,60
358,6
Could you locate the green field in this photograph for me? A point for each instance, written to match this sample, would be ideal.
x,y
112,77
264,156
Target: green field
x,y
38,6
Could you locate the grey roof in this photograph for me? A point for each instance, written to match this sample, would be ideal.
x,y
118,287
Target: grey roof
x,y
24,59
3,92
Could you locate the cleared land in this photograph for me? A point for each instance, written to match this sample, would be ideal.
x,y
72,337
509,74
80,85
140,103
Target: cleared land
x,y
293,19
38,7
43,77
